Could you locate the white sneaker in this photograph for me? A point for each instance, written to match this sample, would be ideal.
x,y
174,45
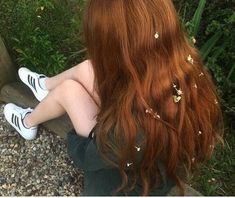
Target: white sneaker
x,y
31,79
15,116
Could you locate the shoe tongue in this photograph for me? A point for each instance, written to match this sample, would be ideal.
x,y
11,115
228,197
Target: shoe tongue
x,y
24,112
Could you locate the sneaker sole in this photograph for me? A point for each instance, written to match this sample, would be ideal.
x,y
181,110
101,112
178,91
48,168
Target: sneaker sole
x,y
10,109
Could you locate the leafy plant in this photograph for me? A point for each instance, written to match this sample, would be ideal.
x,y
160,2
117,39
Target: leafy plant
x,y
37,52
194,24
216,44
44,35
219,38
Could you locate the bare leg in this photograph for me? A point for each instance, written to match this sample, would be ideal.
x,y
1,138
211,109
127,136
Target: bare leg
x,y
74,73
71,97
82,73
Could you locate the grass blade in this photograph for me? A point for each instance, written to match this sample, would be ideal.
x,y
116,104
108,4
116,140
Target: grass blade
x,y
196,20
208,46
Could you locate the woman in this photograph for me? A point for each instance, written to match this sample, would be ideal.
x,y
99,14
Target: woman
x,y
144,109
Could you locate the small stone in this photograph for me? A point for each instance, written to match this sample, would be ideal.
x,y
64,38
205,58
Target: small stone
x,y
17,179
2,180
29,192
60,183
33,168
4,186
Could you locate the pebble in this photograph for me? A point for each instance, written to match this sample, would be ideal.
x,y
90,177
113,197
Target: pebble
x,y
2,180
4,186
37,167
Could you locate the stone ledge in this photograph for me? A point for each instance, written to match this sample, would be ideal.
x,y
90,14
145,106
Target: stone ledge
x,y
7,69
21,95
189,191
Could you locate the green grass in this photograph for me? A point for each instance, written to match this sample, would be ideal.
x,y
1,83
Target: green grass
x,y
44,35
217,176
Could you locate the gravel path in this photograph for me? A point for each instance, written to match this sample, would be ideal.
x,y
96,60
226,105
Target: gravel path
x,y
35,168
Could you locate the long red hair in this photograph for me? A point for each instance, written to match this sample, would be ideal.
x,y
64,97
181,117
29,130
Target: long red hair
x,y
141,56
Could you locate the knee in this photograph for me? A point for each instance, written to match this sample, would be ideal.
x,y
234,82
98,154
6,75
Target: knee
x,y
67,88
69,84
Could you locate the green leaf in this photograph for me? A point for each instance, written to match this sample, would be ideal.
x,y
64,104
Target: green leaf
x,y
16,39
232,18
196,20
219,50
20,51
231,72
208,46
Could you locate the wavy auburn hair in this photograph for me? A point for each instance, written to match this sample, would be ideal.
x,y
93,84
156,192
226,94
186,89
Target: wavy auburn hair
x,y
135,72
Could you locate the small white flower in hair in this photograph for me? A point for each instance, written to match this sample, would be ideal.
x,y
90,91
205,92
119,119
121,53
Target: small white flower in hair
x,y
194,40
152,113
129,164
190,59
199,132
195,86
201,74
157,116
137,148
176,98
179,92
156,35
148,110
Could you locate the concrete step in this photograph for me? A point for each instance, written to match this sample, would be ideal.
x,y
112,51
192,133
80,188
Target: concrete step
x,y
21,95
